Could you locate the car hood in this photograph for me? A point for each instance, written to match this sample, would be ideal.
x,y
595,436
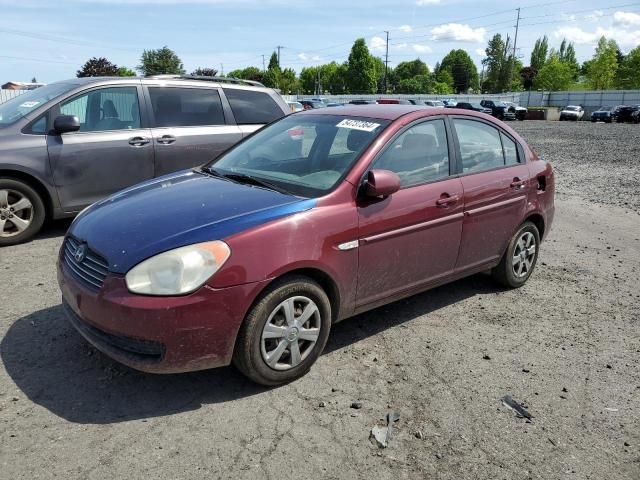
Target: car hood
x,y
174,211
570,112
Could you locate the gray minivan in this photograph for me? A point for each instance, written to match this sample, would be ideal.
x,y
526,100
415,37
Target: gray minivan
x,y
71,143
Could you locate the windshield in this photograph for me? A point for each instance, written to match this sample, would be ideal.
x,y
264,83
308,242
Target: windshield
x,y
305,155
605,109
572,109
22,105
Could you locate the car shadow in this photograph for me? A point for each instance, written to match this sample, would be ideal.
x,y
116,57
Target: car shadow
x,y
54,228
56,369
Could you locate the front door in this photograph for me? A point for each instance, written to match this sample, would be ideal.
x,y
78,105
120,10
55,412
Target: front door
x,y
496,183
188,127
111,151
411,238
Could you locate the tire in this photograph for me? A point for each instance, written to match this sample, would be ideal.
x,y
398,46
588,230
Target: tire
x,y
252,351
17,226
507,272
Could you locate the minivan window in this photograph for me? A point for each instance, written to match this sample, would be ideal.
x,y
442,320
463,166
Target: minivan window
x,y
251,107
419,155
480,145
13,110
103,109
186,107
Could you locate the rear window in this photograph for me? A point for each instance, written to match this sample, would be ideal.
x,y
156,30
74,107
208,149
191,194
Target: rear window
x,y
250,107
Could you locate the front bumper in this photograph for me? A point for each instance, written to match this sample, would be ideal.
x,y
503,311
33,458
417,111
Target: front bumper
x,y
158,334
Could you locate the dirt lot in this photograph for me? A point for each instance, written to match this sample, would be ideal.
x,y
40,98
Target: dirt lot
x,y
567,345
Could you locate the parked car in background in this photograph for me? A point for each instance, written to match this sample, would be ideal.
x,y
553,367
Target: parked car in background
x,y
312,104
605,114
393,101
71,143
572,112
450,103
521,112
362,102
472,106
625,113
382,203
334,104
434,103
635,116
500,110
295,106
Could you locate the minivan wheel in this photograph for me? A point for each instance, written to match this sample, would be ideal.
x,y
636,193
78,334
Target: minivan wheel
x,y
520,258
284,333
22,212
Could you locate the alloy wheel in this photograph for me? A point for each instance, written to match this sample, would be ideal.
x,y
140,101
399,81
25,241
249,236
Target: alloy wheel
x,y
16,213
290,333
524,254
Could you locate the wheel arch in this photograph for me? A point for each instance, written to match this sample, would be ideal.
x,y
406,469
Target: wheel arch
x,y
538,220
34,183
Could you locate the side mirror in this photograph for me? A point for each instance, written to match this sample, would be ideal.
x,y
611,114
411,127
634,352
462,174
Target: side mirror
x,y
66,123
381,183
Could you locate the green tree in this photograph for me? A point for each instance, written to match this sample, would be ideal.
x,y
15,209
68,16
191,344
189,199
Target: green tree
x,y
205,72
628,75
33,80
416,84
458,64
445,78
539,53
410,69
98,67
125,72
287,81
567,55
602,68
527,75
160,61
273,62
378,64
361,70
271,78
554,75
249,73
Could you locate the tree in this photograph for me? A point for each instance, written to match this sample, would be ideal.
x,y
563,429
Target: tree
x,y
603,66
126,72
361,71
443,77
33,80
554,75
628,75
249,73
205,72
458,64
410,69
379,66
98,67
499,64
527,75
287,81
273,62
567,55
159,62
539,53
416,84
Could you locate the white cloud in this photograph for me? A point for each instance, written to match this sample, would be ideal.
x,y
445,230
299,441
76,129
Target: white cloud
x,y
421,48
593,17
422,3
626,19
456,32
576,35
401,46
405,28
480,52
627,39
377,44
303,56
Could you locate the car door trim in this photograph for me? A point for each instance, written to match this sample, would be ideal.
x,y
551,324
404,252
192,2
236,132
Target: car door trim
x,y
495,206
410,228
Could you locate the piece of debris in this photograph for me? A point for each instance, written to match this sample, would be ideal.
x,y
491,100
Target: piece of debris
x,y
438,456
609,366
356,405
520,411
486,357
381,436
627,444
525,370
564,389
609,409
418,434
552,442
322,404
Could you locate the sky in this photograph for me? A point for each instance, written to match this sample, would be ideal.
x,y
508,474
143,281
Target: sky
x,y
50,40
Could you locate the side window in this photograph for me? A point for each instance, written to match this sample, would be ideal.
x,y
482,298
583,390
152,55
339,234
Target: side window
x,y
103,109
510,150
186,107
39,126
250,107
419,155
480,145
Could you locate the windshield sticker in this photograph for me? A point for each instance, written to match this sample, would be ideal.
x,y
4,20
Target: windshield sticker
x,y
358,125
29,104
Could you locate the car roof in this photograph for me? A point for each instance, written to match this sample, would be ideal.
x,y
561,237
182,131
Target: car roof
x,y
179,79
389,111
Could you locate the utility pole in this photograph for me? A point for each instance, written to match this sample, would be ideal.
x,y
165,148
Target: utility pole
x,y
515,44
279,47
263,69
386,62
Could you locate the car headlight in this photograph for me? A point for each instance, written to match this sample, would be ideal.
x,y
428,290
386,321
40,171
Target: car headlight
x,y
178,271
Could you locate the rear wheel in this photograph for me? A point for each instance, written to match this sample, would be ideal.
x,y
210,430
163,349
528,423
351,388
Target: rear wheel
x,y
519,260
284,333
22,212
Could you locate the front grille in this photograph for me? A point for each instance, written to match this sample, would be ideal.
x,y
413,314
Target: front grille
x,y
90,270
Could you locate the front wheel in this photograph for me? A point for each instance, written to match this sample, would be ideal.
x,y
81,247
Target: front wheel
x,y
520,258
22,212
284,333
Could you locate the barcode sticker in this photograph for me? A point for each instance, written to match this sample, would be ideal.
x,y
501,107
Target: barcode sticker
x,y
358,125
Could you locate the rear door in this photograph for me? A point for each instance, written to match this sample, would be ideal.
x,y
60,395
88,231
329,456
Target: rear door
x,y
111,151
252,109
412,237
189,126
496,183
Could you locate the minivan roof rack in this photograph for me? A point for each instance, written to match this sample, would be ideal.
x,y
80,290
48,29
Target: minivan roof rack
x,y
237,81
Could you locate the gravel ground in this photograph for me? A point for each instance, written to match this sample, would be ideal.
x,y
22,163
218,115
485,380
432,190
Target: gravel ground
x,y
566,345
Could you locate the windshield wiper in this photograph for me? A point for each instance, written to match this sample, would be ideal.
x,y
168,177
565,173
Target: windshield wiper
x,y
244,178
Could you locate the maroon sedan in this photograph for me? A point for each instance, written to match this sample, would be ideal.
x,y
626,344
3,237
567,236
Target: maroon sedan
x,y
317,217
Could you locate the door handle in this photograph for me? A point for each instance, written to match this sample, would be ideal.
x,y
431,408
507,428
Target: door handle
x,y
166,139
517,184
446,200
138,141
